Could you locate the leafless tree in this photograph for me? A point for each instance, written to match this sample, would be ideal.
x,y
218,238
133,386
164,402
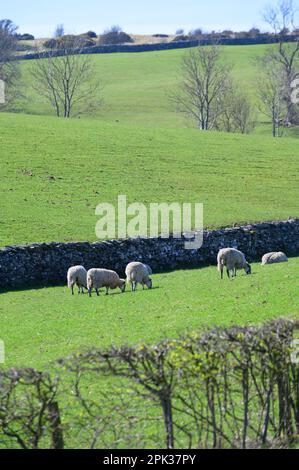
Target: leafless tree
x,y
205,80
29,411
209,95
222,388
237,112
67,79
271,87
9,69
59,31
282,18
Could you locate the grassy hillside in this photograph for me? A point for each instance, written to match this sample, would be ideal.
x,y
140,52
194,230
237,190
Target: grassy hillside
x,y
55,324
55,172
137,85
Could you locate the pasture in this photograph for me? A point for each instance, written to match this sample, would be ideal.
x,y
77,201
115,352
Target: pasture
x,y
55,172
42,325
135,87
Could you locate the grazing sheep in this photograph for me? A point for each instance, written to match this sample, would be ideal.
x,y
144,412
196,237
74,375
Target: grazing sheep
x,y
138,273
233,260
275,257
77,275
97,278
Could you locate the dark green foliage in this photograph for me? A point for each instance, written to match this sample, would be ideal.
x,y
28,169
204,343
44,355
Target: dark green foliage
x,y
68,42
91,34
182,37
115,37
25,37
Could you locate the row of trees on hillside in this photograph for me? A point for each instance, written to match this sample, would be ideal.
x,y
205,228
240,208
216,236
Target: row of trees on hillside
x,y
113,35
199,34
208,93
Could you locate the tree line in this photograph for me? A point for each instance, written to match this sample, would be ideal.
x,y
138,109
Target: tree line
x,y
211,97
208,93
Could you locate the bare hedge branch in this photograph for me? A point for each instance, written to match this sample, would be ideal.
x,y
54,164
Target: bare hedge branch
x,y
224,388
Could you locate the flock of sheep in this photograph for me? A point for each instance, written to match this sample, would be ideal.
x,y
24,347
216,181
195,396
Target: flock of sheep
x,y
139,273
234,259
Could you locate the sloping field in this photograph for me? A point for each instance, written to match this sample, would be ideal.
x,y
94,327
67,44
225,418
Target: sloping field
x,y
136,86
55,172
42,325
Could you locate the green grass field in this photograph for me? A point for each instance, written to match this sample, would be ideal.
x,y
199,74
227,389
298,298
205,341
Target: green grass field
x,y
55,172
136,86
40,326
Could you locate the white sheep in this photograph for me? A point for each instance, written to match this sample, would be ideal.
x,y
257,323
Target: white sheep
x,y
77,275
138,273
275,257
233,260
98,278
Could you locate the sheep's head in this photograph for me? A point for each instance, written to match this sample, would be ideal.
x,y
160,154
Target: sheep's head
x,y
122,285
149,283
248,268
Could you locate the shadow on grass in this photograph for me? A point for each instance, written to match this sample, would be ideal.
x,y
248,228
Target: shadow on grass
x,y
39,286
128,291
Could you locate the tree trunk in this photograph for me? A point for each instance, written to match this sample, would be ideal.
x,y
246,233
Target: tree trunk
x,y
168,422
55,426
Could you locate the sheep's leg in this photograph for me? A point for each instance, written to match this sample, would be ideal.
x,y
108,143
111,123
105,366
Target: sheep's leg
x,y
132,286
89,292
72,289
98,293
107,290
228,273
221,272
135,286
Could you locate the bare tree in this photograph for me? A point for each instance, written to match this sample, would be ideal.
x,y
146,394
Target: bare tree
x,y
59,31
205,80
209,95
66,78
282,18
29,410
237,112
9,69
271,86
